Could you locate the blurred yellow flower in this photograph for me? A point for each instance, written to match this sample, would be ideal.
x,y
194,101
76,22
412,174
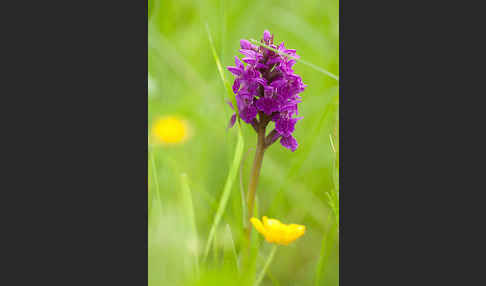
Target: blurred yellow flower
x,y
275,231
170,130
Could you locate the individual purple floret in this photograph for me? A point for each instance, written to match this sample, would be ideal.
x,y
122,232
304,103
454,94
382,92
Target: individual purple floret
x,y
267,89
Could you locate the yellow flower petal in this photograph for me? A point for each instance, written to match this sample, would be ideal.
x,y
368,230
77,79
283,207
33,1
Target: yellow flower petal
x,y
294,231
258,225
264,219
275,231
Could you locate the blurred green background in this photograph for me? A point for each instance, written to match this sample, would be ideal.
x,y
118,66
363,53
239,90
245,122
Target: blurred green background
x,y
294,186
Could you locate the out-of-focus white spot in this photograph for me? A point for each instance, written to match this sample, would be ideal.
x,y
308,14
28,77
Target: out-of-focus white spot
x,y
152,86
192,245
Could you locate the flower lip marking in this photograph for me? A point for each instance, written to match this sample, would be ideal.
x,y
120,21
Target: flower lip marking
x,y
277,232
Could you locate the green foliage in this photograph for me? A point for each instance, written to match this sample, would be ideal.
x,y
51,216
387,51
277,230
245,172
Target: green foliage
x,y
226,192
201,214
227,86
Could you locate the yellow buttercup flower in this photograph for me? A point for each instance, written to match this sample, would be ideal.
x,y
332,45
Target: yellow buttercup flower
x,y
170,130
276,232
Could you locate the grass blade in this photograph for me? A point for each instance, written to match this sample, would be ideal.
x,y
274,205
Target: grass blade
x,y
229,236
323,254
156,180
274,280
189,215
226,191
265,267
319,69
226,84
242,190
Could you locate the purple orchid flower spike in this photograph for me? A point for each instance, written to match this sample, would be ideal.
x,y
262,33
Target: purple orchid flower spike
x,y
267,89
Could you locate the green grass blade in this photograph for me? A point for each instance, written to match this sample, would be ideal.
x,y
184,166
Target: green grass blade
x,y
269,273
323,254
273,279
242,190
267,264
319,69
229,236
333,195
156,180
333,200
226,84
226,191
215,248
189,215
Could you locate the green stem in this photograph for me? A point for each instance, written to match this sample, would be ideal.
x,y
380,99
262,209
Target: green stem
x,y
255,173
156,180
323,255
265,267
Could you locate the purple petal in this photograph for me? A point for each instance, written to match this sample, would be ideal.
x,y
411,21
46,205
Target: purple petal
x,y
278,83
248,113
239,64
290,51
289,142
249,60
295,56
236,85
267,105
266,36
244,95
234,70
245,44
260,66
268,90
273,60
285,126
261,81
290,63
248,53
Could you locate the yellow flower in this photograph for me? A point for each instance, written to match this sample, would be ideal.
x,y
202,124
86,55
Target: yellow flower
x,y
170,130
275,231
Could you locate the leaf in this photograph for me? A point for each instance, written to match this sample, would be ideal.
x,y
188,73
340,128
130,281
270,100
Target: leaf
x,y
226,84
189,215
226,191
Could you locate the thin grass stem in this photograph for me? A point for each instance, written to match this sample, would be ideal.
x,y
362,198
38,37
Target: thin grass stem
x,y
267,264
323,254
226,84
226,192
233,247
156,180
242,190
190,217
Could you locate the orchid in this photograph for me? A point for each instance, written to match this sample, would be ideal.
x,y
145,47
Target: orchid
x,y
267,89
